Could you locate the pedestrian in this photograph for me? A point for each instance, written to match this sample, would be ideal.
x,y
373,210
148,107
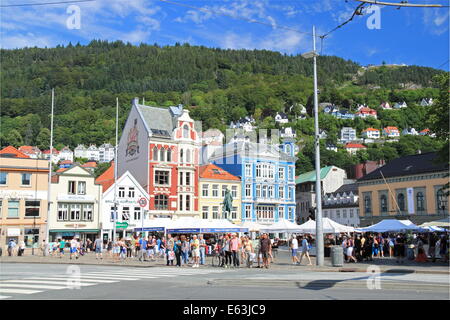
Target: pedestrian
x,y
294,249
143,246
195,248
305,250
11,246
227,251
248,249
350,246
432,246
202,250
265,249
177,250
109,248
44,247
234,246
98,247
73,248
62,245
399,249
170,248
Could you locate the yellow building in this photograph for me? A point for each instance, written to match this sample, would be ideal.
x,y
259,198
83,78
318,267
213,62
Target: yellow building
x,y
23,198
213,183
410,187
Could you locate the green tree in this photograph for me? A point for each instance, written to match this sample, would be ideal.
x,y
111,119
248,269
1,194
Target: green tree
x,y
43,139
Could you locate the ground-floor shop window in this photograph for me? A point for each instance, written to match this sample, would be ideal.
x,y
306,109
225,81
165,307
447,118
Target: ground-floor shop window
x,y
31,238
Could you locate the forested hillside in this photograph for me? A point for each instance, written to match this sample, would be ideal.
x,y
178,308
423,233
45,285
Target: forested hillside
x,y
217,85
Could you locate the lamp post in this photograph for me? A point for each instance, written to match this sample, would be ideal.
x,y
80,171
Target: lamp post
x,y
319,228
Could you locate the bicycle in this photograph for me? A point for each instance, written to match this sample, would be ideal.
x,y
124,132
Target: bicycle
x,y
216,260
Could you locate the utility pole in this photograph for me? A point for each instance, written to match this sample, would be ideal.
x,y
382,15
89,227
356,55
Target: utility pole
x,y
319,227
47,226
115,171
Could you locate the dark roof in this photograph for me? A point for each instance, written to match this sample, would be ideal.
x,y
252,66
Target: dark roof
x,y
353,187
340,205
409,165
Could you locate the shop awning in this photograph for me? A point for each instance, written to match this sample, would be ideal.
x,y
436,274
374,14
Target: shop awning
x,y
74,230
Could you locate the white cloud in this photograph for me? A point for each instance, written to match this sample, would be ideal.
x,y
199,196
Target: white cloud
x,y
436,20
24,40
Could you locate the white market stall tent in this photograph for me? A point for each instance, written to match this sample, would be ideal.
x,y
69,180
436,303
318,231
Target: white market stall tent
x,y
281,226
391,225
329,226
252,226
439,223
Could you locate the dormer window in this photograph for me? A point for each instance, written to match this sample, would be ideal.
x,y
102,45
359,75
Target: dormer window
x,y
186,131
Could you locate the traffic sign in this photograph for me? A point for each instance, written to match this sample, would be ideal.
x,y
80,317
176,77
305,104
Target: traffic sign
x,y
142,202
121,225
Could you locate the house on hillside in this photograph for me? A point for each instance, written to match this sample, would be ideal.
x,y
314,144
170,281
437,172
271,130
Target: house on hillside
x,y
427,132
288,132
366,112
391,132
353,148
106,152
92,153
80,151
410,132
400,105
32,152
426,102
385,106
348,134
281,118
55,155
247,123
66,154
371,133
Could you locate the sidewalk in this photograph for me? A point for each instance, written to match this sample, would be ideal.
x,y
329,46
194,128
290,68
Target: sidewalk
x,y
282,262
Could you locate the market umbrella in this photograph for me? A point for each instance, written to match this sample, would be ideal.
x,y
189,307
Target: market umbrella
x,y
439,223
281,226
390,225
329,226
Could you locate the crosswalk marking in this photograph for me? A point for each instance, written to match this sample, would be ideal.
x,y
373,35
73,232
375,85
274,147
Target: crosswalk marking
x,y
21,291
4,297
49,282
31,286
84,280
108,277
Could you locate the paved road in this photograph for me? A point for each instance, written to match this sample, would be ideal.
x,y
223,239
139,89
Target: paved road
x,y
50,282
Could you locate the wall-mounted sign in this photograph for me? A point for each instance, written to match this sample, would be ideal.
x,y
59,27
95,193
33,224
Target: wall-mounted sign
x,y
23,194
410,193
132,141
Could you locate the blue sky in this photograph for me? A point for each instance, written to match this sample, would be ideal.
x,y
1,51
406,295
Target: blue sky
x,y
413,36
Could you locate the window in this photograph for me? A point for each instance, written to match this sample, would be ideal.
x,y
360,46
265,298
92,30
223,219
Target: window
x,y
181,155
3,178
441,201
169,155
205,190
87,212
420,201
81,187
344,213
161,154
367,204
31,238
258,191
224,190
181,202
113,212
137,213
401,201
270,191
288,149
292,213
181,178
155,154
264,192
325,213
188,202
205,212
383,203
264,212
281,213
234,213
126,214
215,211
248,169
234,191
248,212
71,187
248,190
32,208
63,212
215,190
75,210
188,156
281,173
121,192
351,213
26,179
13,208
161,202
338,214
131,192
281,192
186,131
188,178
161,177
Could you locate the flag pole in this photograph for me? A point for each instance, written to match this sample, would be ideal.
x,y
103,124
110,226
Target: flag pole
x,y
47,227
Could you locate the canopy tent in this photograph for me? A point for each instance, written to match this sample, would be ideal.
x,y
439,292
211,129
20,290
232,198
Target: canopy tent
x,y
390,225
329,226
439,223
434,229
194,225
252,226
282,225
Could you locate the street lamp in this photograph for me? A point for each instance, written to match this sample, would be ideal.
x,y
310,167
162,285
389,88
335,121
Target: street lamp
x,y
319,228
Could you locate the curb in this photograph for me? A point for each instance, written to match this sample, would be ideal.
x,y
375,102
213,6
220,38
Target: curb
x,y
326,269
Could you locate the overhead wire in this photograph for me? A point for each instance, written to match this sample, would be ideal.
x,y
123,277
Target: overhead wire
x,y
43,3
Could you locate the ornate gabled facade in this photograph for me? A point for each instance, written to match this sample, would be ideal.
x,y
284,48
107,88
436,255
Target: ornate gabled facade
x,y
160,148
